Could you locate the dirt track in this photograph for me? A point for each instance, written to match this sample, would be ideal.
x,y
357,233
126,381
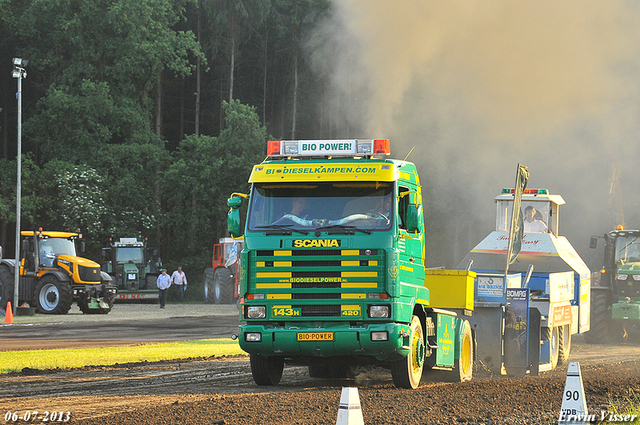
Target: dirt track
x,y
216,391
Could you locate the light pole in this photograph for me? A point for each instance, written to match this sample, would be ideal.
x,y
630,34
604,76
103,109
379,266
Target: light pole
x,y
18,72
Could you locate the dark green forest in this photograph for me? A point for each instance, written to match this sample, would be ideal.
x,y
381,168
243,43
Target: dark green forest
x,y
140,118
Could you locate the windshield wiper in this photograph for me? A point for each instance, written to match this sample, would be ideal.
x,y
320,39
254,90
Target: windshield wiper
x,y
284,228
346,228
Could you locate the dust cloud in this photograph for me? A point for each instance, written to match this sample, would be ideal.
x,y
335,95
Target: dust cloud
x,y
480,86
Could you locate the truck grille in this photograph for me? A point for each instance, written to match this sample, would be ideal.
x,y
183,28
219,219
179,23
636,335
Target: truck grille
x,y
326,283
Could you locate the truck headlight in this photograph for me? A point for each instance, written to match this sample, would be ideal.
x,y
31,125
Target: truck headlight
x,y
380,336
636,277
253,337
256,312
621,276
379,311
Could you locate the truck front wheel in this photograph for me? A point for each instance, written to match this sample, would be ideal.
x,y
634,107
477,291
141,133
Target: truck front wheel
x,y
53,296
266,370
407,372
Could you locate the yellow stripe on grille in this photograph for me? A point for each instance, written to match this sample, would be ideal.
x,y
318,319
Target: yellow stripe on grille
x,y
278,296
282,264
373,262
359,285
260,264
350,252
353,296
359,274
274,285
273,274
350,263
281,253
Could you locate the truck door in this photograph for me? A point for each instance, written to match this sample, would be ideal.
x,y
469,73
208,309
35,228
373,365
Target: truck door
x,y
410,243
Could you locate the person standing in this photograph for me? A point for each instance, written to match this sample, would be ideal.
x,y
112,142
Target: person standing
x,y
164,282
179,279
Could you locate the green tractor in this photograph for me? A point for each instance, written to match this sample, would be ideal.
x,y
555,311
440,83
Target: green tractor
x,y
615,300
134,268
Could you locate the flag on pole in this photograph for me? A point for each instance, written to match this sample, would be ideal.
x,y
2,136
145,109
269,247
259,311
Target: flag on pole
x,y
233,255
516,231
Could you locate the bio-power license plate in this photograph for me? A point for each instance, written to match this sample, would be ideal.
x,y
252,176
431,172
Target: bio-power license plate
x,y
315,336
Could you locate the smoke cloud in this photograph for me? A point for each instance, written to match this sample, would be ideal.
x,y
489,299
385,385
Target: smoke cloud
x,y
480,86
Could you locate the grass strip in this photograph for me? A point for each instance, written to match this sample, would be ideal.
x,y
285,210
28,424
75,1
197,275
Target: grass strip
x,y
11,361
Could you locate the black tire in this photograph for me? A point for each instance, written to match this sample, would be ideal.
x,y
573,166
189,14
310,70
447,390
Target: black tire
x,y
52,296
564,344
551,335
208,286
223,286
151,282
463,367
266,370
6,287
600,328
407,372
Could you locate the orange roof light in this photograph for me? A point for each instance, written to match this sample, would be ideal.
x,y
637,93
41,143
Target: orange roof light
x,y
620,227
381,146
273,147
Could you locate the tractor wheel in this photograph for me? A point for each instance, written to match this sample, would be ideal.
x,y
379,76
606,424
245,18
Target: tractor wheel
x,y
266,370
53,296
6,287
463,367
600,318
407,372
151,282
208,286
223,286
564,344
551,335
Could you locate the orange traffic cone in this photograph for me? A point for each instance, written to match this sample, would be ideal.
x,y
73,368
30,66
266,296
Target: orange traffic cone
x,y
8,316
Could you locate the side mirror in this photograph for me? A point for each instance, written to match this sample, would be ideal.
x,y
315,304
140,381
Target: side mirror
x,y
82,247
233,216
593,243
234,202
414,215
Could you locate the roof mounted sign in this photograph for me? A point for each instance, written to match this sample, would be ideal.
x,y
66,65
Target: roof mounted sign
x,y
321,148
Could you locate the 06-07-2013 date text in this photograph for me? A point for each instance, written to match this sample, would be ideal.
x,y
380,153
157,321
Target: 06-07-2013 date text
x,y
37,416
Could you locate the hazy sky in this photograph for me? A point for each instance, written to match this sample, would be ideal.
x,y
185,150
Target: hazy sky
x,y
480,86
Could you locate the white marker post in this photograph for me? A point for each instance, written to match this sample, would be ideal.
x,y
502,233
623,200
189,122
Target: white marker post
x,y
349,411
574,404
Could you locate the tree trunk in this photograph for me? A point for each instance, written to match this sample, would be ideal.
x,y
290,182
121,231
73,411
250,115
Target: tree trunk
x,y
294,108
264,79
232,67
198,76
159,105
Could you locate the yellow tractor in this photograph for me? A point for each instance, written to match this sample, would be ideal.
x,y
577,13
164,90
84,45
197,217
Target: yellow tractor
x,y
52,276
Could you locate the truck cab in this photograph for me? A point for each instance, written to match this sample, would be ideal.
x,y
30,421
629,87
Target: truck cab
x,y
333,266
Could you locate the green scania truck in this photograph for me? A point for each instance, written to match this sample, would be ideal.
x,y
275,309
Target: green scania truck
x,y
333,268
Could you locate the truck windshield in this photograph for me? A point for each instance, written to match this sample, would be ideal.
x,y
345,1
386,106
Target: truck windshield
x,y
627,249
58,246
364,206
130,255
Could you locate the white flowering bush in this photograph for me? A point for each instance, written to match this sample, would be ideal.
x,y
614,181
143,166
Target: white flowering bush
x,y
81,190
